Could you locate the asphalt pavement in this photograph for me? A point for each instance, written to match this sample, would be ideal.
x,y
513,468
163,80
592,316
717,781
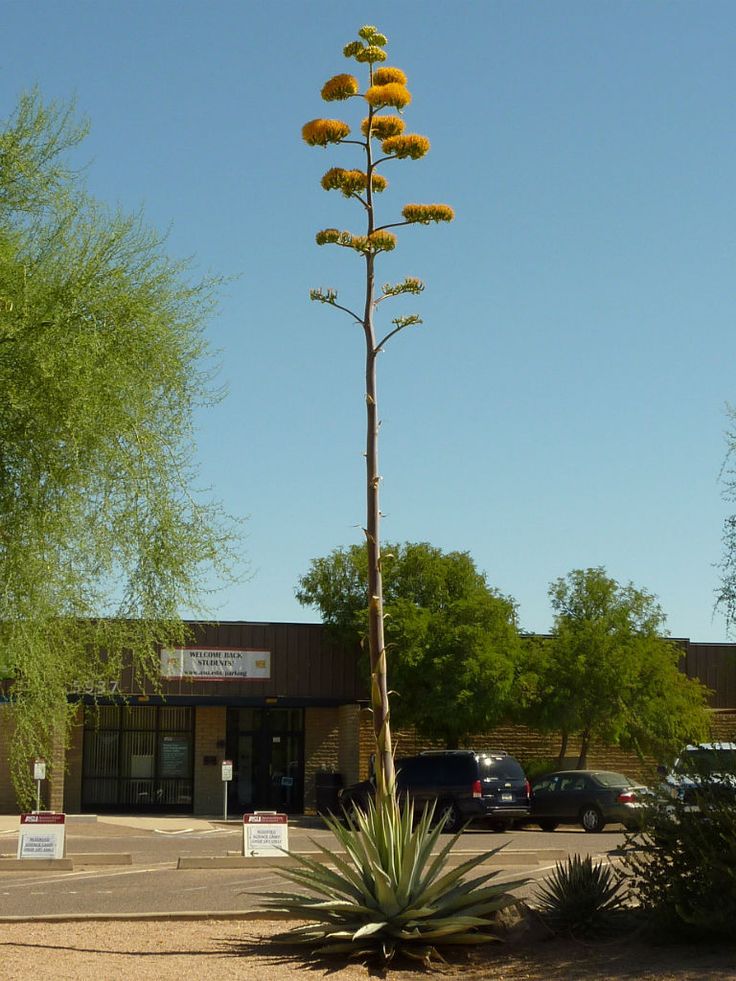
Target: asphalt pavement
x,y
149,883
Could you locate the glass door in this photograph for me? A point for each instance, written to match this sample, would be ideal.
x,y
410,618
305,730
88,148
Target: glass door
x,y
267,749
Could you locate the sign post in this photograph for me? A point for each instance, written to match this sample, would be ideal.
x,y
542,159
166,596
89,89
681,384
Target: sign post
x,y
41,835
39,774
227,775
265,833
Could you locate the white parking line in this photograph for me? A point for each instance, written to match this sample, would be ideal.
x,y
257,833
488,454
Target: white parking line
x,y
78,876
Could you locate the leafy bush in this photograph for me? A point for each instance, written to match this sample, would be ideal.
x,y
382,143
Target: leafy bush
x,y
578,896
390,894
538,766
682,865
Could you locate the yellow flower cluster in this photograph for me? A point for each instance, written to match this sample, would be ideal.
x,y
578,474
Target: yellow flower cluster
x,y
410,285
392,94
383,126
320,132
372,35
351,181
339,87
412,145
382,241
329,236
371,54
424,213
382,76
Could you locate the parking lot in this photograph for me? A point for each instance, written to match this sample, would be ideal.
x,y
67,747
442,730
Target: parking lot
x,y
151,883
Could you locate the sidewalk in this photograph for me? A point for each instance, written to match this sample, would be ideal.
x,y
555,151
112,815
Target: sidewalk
x,y
161,822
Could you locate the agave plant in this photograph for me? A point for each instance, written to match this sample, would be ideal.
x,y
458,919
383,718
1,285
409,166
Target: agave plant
x,y
390,894
579,895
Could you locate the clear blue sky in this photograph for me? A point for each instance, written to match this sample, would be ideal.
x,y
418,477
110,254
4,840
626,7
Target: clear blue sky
x,y
564,404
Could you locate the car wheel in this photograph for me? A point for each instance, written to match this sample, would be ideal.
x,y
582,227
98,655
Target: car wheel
x,y
547,825
452,817
592,819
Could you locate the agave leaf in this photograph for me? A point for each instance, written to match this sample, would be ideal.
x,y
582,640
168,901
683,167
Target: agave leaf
x,y
453,875
322,878
458,922
344,948
440,860
435,933
369,929
317,885
348,871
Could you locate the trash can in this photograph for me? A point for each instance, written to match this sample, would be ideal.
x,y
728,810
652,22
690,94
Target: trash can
x,y
327,786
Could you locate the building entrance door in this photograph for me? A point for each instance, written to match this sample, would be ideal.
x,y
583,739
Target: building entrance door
x,y
267,750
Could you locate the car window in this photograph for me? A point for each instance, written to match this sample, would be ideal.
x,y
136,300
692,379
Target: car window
x,y
705,762
422,771
546,785
572,782
505,768
613,780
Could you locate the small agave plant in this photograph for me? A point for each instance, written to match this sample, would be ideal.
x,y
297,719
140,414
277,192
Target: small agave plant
x,y
390,894
579,895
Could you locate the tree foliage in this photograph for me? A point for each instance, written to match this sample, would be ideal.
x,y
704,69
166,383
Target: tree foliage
x,y
726,593
102,362
609,672
452,639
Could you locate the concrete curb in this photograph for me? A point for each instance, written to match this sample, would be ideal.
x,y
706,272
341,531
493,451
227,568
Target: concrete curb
x,y
36,864
64,864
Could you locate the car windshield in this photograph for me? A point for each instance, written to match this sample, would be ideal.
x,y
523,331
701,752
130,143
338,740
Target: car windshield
x,y
707,761
613,779
505,768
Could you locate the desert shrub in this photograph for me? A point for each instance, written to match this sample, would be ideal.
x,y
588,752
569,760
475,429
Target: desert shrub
x,y
681,866
579,895
392,892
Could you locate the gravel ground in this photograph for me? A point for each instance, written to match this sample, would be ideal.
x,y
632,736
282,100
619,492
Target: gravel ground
x,y
223,949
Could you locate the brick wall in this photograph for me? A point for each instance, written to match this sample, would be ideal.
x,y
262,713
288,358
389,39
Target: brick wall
x,y
321,748
348,756
209,729
526,744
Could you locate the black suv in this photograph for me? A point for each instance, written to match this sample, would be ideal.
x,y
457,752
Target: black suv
x,y
467,785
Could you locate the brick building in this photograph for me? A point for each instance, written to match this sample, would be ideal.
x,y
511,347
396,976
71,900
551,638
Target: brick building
x,y
285,704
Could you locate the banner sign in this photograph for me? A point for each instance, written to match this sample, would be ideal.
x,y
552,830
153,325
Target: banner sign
x,y
41,835
216,664
265,833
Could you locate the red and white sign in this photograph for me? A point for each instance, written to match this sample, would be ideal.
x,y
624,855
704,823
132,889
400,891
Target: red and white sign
x,y
265,833
41,835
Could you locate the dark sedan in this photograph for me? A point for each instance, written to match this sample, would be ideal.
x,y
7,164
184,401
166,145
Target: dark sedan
x,y
592,798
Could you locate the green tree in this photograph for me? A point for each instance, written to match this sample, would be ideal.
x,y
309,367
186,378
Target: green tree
x,y
609,672
102,362
453,639
385,90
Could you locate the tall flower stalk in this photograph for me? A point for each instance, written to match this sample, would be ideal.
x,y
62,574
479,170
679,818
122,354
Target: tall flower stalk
x,y
383,141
